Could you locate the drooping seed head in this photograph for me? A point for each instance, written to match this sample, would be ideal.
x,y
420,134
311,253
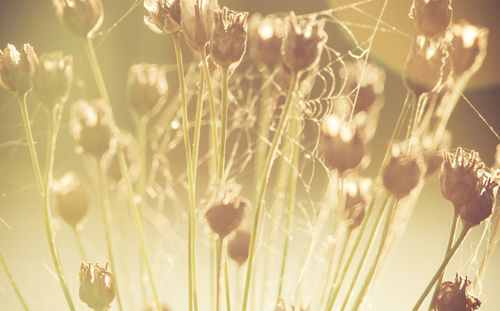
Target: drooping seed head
x,y
356,199
82,17
197,22
266,36
71,198
147,88
238,246
53,78
97,288
226,213
480,207
17,68
164,16
454,296
431,17
403,172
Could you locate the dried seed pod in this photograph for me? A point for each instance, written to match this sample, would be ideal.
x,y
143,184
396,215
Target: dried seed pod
x,y
53,78
433,152
164,16
431,17
460,176
357,197
229,38
147,88
453,296
82,17
342,143
238,246
197,22
225,214
468,44
402,174
97,288
72,201
17,68
265,39
480,207
303,43
90,127
424,68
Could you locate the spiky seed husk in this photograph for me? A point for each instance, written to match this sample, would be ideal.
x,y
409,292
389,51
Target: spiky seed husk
x,y
164,16
97,288
402,174
147,88
71,198
265,36
82,17
17,68
432,17
480,207
53,78
453,296
229,38
197,22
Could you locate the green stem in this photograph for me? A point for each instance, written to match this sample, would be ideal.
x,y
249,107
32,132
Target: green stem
x,y
106,217
12,283
79,244
226,282
220,166
193,296
441,268
342,254
142,129
218,263
263,184
197,127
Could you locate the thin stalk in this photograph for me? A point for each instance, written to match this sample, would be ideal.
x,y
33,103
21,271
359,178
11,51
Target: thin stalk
x,y
263,185
12,283
342,254
451,238
106,218
226,282
213,268
220,166
197,127
489,250
79,244
193,296
142,129
218,263
441,268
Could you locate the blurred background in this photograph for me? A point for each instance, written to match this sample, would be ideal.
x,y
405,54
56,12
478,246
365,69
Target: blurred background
x,y
419,253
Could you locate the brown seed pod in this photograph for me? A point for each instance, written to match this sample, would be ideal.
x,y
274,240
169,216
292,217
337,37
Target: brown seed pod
x,y
357,197
72,201
238,246
17,68
403,173
433,152
431,17
453,296
53,78
82,17
164,15
265,36
480,207
147,88
225,214
97,288
197,22
229,38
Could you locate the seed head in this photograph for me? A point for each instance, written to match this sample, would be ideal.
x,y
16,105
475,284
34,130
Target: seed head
x,y
229,38
147,88
403,172
303,43
225,214
266,37
424,67
480,207
90,127
432,150
197,22
164,16
468,44
53,78
453,296
82,17
72,201
357,197
17,68
238,246
97,287
431,17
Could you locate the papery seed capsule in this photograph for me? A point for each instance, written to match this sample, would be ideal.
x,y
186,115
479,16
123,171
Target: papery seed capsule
x,y
90,127
238,246
432,17
402,174
424,67
71,198
164,15
197,22
17,68
97,287
147,88
453,296
356,199
82,17
229,38
265,35
225,215
303,43
480,207
468,44
53,78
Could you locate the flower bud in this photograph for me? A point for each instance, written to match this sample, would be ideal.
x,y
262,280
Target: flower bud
x,y
238,246
266,37
197,22
82,17
229,38
97,287
17,68
147,88
468,45
431,17
424,67
356,193
402,174
480,207
164,16
453,296
225,214
53,78
72,201
303,43
90,127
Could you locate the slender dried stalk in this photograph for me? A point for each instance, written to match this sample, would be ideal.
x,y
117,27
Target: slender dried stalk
x,y
12,283
79,243
220,166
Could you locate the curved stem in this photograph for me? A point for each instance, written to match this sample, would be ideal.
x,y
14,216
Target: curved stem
x,y
12,283
441,268
220,166
79,244
263,185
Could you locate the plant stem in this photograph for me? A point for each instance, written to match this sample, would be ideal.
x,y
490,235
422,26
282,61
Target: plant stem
x,y
106,217
142,129
263,185
441,268
220,166
226,281
12,283
193,296
197,127
79,244
218,263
